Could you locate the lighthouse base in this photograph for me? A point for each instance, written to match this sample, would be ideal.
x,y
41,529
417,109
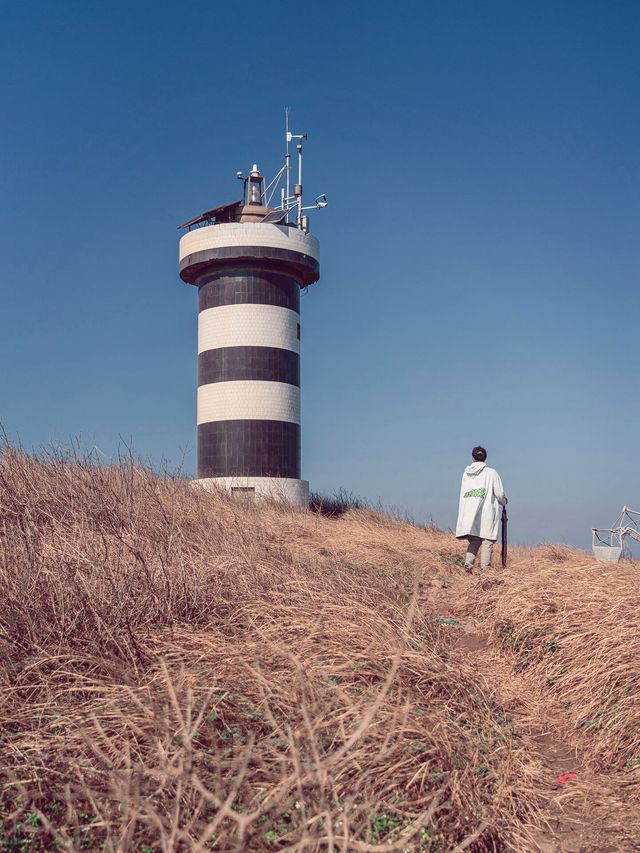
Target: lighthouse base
x,y
277,488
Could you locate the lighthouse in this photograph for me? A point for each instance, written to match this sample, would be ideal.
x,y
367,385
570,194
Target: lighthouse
x,y
249,260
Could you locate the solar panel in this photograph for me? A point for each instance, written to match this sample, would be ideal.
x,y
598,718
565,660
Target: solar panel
x,y
223,213
275,216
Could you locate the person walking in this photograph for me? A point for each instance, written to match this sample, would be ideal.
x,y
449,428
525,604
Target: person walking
x,y
481,496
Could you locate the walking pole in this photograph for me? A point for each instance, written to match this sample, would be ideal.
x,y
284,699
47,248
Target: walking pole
x,y
504,537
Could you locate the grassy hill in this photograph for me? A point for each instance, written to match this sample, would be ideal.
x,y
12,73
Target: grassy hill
x,y
182,671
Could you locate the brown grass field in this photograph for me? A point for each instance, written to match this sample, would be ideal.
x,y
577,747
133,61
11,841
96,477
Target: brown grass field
x,y
184,672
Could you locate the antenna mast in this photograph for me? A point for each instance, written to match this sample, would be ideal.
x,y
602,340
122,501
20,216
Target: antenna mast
x,y
287,158
290,201
297,188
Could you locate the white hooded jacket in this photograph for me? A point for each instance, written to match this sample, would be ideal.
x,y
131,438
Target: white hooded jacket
x,y
481,495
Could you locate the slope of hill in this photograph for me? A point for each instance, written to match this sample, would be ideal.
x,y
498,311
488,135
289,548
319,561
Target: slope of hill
x,y
181,671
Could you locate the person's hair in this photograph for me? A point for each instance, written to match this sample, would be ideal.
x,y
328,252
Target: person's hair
x,y
479,454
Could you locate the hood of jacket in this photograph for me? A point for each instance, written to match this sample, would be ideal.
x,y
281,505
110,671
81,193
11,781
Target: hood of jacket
x,y
475,468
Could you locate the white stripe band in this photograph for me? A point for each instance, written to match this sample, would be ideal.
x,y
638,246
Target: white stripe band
x,y
248,325
248,400
235,234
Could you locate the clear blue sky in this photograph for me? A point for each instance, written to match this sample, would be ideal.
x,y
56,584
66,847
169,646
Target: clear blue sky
x,y
479,255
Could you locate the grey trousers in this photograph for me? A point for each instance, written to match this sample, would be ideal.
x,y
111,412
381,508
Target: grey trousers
x,y
485,554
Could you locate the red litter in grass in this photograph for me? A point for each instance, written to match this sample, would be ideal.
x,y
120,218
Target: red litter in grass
x,y
566,777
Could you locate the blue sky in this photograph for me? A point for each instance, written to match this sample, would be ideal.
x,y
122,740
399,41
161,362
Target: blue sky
x,y
479,255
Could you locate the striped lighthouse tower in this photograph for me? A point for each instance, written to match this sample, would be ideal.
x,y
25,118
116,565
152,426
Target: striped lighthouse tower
x,y
249,264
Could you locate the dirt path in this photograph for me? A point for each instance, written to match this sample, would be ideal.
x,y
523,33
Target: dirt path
x,y
579,817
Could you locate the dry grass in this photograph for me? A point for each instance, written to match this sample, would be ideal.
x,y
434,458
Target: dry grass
x,y
183,672
570,628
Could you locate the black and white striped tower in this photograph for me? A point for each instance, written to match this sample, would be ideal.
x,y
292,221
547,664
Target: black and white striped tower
x,y
249,264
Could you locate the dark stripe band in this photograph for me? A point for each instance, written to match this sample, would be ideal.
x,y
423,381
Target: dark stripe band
x,y
269,364
249,449
249,286
303,267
